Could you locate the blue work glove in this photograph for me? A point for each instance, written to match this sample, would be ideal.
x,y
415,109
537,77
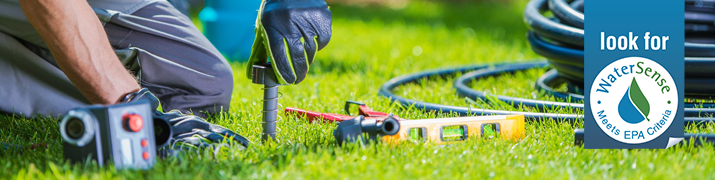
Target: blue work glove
x,y
290,32
192,130
187,129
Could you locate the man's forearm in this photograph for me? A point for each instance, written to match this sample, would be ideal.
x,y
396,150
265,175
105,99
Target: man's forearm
x,y
80,46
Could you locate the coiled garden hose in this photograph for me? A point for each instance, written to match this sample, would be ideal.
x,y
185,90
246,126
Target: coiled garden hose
x,y
560,40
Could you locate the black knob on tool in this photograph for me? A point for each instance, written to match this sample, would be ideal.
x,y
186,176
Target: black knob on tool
x,y
352,130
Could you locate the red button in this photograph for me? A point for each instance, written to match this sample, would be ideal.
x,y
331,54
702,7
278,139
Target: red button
x,y
133,122
144,143
145,155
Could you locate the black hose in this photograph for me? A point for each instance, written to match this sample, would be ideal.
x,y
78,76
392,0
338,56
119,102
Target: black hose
x,y
560,40
551,78
549,28
700,67
386,91
566,12
699,50
462,83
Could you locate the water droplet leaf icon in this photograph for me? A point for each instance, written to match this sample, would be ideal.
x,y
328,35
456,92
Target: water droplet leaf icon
x,y
634,107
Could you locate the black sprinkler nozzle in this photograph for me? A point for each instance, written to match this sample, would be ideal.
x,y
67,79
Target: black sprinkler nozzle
x,y
354,130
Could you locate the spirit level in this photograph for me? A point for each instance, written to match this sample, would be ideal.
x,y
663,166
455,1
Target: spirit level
x,y
447,130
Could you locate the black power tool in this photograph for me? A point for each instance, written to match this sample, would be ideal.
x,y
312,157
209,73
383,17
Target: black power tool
x,y
121,133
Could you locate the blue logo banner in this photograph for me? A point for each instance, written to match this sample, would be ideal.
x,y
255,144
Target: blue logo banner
x,y
634,74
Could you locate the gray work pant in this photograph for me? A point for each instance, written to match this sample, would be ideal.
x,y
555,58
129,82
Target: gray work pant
x,y
156,43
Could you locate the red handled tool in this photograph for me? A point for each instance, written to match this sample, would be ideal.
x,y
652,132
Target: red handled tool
x,y
363,110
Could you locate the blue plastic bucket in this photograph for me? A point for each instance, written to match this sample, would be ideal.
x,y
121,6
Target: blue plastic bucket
x,y
229,25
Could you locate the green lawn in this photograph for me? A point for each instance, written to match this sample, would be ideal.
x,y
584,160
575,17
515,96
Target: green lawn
x,y
370,46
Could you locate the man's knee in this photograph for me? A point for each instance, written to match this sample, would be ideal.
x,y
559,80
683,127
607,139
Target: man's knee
x,y
223,88
217,94
196,92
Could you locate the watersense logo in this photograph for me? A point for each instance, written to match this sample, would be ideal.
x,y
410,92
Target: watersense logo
x,y
634,100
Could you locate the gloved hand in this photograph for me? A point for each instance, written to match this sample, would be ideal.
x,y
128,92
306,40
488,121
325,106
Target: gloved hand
x,y
195,131
188,129
145,94
291,32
